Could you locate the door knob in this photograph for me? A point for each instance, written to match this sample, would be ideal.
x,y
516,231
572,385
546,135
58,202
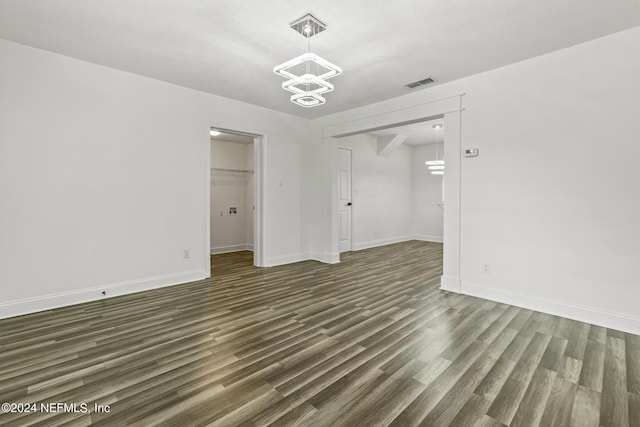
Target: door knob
x,y
349,203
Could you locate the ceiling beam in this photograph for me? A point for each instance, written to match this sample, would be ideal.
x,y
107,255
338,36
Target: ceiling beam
x,y
388,143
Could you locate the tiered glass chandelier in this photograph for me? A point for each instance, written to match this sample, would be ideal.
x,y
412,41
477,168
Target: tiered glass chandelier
x,y
436,167
307,74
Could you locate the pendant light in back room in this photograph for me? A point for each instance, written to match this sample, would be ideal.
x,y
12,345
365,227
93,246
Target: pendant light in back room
x,y
436,167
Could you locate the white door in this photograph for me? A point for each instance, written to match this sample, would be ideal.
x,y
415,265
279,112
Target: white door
x,y
344,200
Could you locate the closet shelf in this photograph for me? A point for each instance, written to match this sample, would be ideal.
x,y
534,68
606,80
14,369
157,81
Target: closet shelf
x,y
232,170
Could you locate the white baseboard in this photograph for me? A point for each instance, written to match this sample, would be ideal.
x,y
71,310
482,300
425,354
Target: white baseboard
x,y
286,259
62,299
428,238
450,284
619,321
327,258
334,258
381,242
232,248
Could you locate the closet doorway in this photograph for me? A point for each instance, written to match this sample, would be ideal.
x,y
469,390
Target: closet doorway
x,y
234,193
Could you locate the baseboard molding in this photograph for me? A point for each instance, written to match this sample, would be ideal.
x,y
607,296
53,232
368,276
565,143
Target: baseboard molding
x,y
451,284
327,258
63,299
287,259
381,242
621,322
334,258
232,248
428,238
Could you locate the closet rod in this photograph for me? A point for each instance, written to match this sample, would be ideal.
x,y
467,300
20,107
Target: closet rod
x,y
232,170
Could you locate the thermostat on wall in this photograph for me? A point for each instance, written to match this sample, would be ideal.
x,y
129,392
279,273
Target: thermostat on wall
x,y
470,152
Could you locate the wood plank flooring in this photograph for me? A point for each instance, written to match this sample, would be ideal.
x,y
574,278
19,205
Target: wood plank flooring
x,y
371,341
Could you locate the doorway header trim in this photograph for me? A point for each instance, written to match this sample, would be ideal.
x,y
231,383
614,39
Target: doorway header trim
x,y
407,115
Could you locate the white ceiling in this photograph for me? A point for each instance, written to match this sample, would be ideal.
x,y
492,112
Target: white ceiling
x,y
230,48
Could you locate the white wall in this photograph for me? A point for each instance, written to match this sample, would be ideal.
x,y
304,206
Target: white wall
x,y
230,188
381,193
104,179
427,217
318,161
229,155
104,175
551,202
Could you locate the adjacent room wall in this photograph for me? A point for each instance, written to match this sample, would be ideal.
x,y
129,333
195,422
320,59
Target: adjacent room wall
x,y
104,180
381,193
394,197
231,186
551,201
427,215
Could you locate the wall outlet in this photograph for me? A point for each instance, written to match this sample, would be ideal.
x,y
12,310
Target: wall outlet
x,y
486,268
186,253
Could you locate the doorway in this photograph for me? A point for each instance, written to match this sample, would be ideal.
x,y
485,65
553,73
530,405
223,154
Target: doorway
x,y
396,195
234,209
450,109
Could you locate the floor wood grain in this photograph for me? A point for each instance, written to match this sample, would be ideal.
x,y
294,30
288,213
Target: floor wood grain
x,y
371,341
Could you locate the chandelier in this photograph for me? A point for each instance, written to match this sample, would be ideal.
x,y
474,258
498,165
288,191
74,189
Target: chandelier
x,y
307,74
436,167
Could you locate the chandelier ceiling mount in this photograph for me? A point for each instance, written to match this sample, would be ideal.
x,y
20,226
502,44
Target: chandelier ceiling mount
x,y
308,25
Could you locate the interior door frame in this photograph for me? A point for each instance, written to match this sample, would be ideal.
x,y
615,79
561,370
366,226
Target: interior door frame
x,y
259,172
451,109
342,147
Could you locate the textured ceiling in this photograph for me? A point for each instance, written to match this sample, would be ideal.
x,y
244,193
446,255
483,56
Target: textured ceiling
x,y
230,48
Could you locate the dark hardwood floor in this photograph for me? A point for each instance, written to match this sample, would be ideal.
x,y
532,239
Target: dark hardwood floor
x,y
371,341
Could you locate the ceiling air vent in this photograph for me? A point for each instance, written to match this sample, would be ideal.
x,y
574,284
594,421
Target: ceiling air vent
x,y
422,82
